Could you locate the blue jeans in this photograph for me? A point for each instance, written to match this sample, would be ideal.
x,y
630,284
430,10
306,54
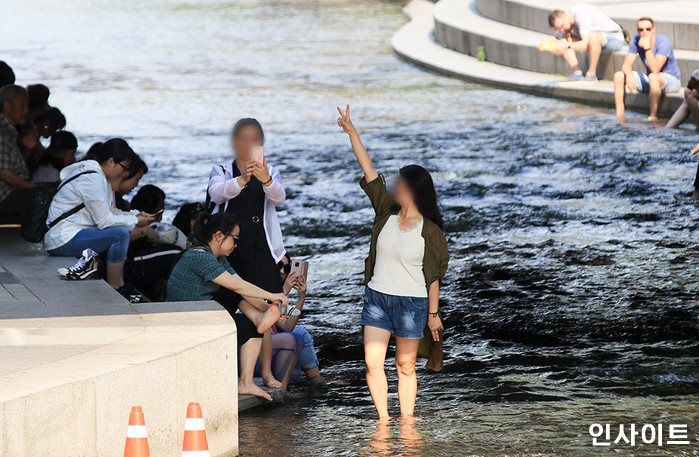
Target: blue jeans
x,y
672,84
113,240
405,317
307,357
614,43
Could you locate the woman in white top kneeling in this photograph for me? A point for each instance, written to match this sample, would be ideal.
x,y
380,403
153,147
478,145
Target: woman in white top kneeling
x,y
81,215
407,261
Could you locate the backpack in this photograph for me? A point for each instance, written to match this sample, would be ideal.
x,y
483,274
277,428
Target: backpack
x,y
34,224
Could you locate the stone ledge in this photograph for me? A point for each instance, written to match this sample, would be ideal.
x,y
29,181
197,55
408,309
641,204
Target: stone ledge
x,y
459,26
413,43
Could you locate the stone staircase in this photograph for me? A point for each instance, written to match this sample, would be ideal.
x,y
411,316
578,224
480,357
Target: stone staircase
x,y
510,30
447,37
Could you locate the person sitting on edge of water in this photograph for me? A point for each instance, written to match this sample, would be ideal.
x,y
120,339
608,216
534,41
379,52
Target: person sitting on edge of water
x,y
407,261
59,154
251,188
690,105
16,191
584,28
307,359
152,257
694,196
96,226
185,219
7,76
662,72
38,100
204,269
124,186
49,121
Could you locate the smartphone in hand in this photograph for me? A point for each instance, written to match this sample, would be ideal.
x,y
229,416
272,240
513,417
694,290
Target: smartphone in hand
x,y
300,267
258,154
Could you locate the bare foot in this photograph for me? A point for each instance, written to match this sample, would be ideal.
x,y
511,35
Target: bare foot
x,y
691,199
621,119
269,318
652,119
253,389
270,381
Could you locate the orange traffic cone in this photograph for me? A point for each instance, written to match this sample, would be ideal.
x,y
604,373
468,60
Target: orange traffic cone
x,y
195,444
136,435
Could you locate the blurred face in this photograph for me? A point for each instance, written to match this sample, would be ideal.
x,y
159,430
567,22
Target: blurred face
x,y
645,28
227,242
563,24
127,185
402,193
47,129
68,155
17,110
284,268
244,143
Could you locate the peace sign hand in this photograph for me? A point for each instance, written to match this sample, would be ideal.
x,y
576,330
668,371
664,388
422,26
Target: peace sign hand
x,y
345,122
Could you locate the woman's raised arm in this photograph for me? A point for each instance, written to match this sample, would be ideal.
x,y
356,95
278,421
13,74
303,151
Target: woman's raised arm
x,y
363,158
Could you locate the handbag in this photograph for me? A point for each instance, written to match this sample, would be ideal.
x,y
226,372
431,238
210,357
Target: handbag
x,y
34,226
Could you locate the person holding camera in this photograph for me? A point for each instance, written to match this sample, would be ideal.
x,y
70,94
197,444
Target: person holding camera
x,y
662,72
690,105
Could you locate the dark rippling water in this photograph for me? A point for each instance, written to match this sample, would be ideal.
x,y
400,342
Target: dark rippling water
x,y
571,296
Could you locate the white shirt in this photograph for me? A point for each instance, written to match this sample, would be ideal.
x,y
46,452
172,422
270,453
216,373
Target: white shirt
x,y
95,191
590,19
223,187
399,256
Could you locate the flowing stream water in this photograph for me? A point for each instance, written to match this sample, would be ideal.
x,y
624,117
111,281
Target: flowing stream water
x,y
571,297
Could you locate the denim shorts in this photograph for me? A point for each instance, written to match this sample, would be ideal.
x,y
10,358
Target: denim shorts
x,y
614,43
405,317
672,84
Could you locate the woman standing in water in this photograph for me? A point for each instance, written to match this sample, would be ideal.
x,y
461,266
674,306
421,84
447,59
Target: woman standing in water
x,y
407,261
251,189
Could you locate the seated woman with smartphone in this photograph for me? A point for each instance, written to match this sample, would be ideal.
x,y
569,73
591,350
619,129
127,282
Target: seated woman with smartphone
x,y
204,269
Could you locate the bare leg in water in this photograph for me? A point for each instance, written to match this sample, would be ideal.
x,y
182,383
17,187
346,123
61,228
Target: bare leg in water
x,y
406,356
375,347
248,357
266,362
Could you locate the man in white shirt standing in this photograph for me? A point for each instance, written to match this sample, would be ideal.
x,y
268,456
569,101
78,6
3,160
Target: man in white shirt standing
x,y
584,28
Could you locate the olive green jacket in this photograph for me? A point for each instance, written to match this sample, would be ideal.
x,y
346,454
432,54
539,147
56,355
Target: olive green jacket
x,y
434,262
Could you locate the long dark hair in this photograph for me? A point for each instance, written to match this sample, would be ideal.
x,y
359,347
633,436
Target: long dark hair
x,y
248,122
420,183
206,226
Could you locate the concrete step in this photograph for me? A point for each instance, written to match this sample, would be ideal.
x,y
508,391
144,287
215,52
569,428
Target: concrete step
x,y
75,356
413,42
248,402
678,20
459,26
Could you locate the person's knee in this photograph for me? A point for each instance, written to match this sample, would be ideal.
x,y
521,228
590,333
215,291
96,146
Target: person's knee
x,y
619,76
654,79
596,39
373,365
405,367
121,235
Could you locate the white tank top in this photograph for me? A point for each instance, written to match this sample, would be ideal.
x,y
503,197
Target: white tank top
x,y
399,254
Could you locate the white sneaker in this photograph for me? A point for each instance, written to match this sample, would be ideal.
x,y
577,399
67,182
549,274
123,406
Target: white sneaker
x,y
83,268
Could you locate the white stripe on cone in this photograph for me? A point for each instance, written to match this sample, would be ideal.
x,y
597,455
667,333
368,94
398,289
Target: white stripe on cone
x,y
196,454
194,423
136,431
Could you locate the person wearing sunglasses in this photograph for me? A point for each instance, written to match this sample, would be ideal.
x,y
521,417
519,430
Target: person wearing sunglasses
x,y
662,72
204,269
